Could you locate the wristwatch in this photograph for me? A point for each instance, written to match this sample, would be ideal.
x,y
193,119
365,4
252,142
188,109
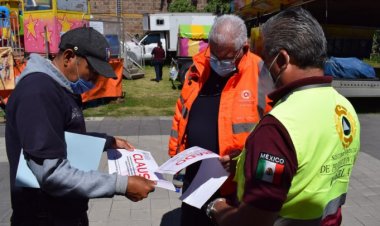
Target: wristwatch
x,y
210,210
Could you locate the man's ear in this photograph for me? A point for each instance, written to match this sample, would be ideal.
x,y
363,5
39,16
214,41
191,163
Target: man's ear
x,y
283,59
68,55
246,47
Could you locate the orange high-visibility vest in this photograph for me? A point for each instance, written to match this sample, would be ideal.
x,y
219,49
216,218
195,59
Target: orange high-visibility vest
x,y
242,104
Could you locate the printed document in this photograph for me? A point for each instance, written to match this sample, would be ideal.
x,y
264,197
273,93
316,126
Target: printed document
x,y
211,174
136,163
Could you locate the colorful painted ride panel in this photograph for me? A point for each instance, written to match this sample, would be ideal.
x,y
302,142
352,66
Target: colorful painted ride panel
x,y
192,39
47,20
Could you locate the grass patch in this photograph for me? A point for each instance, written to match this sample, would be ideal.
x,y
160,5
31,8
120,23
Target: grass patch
x,y
142,98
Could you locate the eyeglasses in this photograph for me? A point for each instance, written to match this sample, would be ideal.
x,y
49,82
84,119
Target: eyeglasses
x,y
227,61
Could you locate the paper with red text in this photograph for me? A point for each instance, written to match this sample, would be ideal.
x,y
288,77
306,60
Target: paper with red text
x,y
136,163
184,159
211,174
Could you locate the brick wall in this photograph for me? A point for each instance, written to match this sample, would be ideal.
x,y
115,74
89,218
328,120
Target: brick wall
x,y
132,11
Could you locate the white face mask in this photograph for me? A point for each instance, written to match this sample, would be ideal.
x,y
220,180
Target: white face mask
x,y
267,83
224,67
275,81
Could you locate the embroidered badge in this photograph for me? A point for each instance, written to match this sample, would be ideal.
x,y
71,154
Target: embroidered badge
x,y
270,168
345,125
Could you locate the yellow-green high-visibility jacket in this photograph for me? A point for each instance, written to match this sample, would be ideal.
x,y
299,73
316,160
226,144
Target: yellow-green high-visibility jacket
x,y
325,132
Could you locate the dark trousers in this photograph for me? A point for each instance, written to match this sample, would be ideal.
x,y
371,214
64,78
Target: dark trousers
x,y
191,216
45,220
158,69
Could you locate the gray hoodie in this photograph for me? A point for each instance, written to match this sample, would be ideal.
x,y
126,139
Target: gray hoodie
x,y
56,176
37,63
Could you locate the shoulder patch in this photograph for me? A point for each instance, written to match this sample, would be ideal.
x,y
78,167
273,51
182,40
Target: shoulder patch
x,y
270,168
345,125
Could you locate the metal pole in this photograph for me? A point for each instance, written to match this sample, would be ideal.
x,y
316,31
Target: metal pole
x,y
46,43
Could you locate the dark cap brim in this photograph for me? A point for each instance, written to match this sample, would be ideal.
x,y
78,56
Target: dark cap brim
x,y
102,67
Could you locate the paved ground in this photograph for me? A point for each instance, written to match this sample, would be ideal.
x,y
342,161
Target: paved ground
x,y
162,207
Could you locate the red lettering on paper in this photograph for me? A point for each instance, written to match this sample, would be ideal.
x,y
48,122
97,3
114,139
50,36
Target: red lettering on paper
x,y
141,166
193,156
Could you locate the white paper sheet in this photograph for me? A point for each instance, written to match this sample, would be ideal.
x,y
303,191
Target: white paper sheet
x,y
211,175
136,163
184,159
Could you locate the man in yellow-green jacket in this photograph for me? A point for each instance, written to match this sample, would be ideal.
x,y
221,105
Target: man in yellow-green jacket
x,y
297,162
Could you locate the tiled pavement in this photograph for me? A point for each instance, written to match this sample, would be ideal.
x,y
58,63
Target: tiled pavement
x,y
162,206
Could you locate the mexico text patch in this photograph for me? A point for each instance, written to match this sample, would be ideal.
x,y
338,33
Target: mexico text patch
x,y
270,168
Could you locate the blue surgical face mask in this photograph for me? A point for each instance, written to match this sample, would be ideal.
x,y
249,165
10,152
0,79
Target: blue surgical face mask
x,y
80,86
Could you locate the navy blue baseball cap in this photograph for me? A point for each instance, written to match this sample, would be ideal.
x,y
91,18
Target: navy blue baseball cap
x,y
89,43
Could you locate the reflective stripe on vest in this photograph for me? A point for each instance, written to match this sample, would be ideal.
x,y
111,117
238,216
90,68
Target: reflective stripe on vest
x,y
242,127
174,133
262,88
181,100
184,108
331,208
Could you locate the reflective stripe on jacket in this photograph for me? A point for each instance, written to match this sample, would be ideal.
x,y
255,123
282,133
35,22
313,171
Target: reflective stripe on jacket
x,y
242,104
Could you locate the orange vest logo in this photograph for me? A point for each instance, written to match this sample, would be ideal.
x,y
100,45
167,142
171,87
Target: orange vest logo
x,y
246,94
345,125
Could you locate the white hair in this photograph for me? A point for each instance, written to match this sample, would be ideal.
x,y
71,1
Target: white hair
x,y
227,28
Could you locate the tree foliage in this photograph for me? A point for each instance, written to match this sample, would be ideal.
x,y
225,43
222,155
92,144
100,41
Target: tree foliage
x,y
375,55
182,6
213,6
218,6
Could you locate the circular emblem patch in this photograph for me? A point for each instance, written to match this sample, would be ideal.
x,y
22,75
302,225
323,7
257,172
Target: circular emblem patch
x,y
246,94
345,125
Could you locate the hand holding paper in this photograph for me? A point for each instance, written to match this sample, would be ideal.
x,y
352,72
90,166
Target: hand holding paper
x,y
138,188
136,163
211,175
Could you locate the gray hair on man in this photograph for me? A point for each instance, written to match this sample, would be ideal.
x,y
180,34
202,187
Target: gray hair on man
x,y
228,28
299,33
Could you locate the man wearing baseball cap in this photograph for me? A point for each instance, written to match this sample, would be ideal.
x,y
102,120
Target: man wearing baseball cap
x,y
45,104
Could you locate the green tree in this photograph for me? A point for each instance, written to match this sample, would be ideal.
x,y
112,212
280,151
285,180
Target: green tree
x,y
375,55
182,6
218,6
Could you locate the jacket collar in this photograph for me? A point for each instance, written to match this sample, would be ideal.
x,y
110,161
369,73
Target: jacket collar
x,y
276,95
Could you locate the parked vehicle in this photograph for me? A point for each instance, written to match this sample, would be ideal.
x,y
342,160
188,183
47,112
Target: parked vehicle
x,y
164,27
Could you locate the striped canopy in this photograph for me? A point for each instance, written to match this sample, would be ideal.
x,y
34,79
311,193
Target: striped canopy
x,y
194,31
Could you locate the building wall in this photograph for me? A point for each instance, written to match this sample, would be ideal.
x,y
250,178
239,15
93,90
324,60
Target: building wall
x,y
132,11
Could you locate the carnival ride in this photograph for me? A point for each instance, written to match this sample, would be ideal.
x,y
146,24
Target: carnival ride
x,y
35,26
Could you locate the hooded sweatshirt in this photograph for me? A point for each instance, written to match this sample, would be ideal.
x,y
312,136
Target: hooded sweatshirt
x,y
41,108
